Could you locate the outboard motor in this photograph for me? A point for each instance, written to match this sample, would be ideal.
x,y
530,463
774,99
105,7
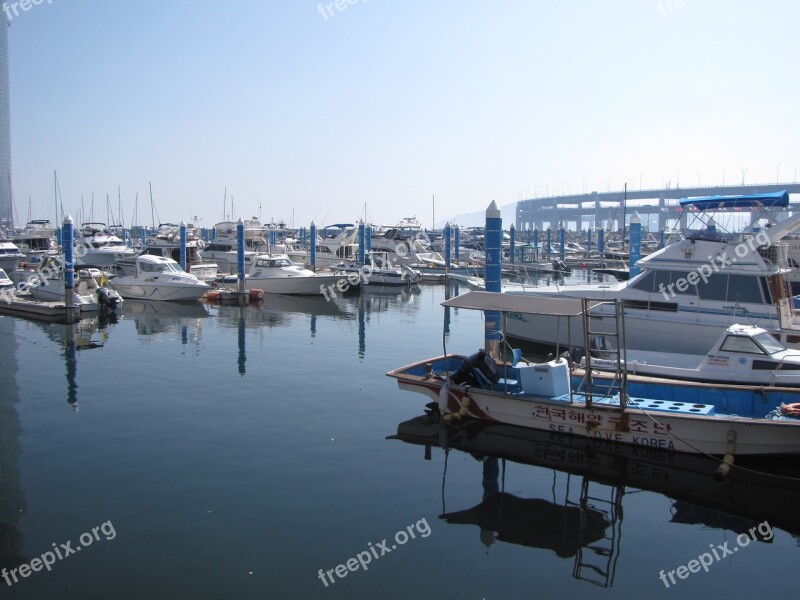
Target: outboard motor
x,y
478,370
109,299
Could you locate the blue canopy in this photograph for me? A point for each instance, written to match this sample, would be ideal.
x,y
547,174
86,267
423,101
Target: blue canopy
x,y
771,200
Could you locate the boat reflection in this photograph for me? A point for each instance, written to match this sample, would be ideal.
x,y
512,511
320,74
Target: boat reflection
x,y
587,524
152,318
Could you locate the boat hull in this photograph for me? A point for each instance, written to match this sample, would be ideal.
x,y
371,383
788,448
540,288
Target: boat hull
x,y
316,285
158,291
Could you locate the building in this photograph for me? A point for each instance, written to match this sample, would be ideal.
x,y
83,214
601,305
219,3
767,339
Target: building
x,y
5,130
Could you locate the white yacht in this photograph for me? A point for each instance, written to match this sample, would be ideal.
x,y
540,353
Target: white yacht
x,y
10,255
166,243
96,246
5,281
159,278
37,240
687,293
277,274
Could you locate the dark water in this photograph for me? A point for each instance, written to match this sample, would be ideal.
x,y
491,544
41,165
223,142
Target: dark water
x,y
233,453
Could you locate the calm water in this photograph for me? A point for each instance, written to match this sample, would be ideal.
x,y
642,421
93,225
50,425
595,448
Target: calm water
x,y
233,453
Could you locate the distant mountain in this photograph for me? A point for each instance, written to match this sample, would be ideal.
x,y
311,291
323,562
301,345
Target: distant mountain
x,y
478,219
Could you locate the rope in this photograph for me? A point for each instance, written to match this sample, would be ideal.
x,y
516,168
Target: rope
x,y
711,456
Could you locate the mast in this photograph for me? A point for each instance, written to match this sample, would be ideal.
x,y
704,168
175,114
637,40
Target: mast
x,y
152,213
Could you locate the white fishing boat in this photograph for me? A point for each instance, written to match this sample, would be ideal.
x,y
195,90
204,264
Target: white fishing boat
x,y
96,246
277,274
689,292
541,396
159,278
744,354
167,243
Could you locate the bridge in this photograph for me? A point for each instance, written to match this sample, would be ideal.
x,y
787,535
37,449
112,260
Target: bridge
x,y
656,207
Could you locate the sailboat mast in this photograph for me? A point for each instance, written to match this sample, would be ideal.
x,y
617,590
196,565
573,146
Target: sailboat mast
x,y
152,213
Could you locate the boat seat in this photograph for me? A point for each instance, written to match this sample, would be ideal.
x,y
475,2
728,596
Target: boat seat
x,y
516,355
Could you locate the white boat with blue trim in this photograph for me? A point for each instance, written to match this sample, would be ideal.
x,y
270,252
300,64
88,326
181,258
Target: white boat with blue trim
x,y
689,292
541,396
159,278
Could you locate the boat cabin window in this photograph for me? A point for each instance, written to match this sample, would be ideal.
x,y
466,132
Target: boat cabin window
x,y
741,343
731,288
769,343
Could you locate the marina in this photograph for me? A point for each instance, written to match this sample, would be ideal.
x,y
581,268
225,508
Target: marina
x,y
392,300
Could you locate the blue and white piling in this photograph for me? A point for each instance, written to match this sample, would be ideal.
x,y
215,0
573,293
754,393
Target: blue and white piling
x,y
589,240
457,242
68,245
312,247
512,245
562,235
493,247
369,237
447,248
361,243
240,261
183,245
601,241
636,243
549,243
536,244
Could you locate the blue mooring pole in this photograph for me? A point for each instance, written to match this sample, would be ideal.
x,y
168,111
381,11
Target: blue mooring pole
x,y
446,233
183,245
601,241
589,241
457,242
661,239
513,245
240,259
312,245
494,242
68,246
562,235
369,237
636,243
361,243
536,244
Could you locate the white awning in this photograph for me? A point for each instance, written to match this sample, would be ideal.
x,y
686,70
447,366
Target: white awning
x,y
521,303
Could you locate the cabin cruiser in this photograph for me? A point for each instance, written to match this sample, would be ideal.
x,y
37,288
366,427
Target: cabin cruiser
x,y
37,240
5,280
159,278
744,354
167,243
10,255
96,246
690,291
378,270
277,274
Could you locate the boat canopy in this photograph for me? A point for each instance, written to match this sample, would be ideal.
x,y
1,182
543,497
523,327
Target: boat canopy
x,y
771,200
520,303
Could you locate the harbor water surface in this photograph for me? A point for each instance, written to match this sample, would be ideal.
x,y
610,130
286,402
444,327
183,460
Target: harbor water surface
x,y
243,453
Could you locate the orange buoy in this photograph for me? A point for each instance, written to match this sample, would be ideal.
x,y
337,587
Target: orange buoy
x,y
212,296
256,295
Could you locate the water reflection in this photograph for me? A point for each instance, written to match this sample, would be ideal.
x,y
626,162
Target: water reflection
x,y
12,500
154,318
583,519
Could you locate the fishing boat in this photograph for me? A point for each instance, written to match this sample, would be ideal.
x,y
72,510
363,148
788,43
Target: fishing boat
x,y
690,291
744,354
159,278
541,396
277,274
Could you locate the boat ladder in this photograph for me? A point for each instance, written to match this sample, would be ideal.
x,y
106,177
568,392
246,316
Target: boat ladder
x,y
590,387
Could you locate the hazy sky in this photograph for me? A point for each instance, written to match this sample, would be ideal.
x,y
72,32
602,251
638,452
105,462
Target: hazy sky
x,y
313,112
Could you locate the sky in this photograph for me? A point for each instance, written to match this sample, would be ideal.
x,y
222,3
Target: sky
x,y
298,111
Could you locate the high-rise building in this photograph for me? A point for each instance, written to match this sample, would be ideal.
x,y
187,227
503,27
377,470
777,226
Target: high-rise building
x,y
5,129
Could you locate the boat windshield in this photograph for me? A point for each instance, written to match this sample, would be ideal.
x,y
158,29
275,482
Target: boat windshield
x,y
769,343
